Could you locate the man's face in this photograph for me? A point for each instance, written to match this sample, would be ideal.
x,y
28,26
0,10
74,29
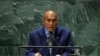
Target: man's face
x,y
50,21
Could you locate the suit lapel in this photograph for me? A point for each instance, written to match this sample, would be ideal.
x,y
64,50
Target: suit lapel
x,y
43,38
57,40
57,36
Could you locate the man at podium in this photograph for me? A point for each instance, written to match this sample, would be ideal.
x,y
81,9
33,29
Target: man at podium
x,y
50,34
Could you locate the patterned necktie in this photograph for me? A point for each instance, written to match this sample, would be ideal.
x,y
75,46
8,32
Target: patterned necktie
x,y
50,42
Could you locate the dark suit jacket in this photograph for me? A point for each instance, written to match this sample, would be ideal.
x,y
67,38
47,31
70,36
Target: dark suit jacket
x,y
38,38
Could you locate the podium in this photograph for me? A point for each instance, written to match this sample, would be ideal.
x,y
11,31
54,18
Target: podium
x,y
67,47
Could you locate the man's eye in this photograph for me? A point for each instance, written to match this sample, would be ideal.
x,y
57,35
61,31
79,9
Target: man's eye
x,y
54,20
48,20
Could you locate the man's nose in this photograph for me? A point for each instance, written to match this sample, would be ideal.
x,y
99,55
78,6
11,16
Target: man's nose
x,y
51,22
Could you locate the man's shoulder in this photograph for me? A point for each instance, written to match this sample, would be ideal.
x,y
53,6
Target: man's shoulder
x,y
63,29
34,31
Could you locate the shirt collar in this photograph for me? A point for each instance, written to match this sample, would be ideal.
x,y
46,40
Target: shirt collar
x,y
47,32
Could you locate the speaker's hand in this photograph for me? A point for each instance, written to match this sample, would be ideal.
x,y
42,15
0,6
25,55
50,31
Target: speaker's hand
x,y
37,54
58,55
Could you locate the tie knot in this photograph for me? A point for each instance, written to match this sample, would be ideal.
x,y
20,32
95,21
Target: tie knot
x,y
50,32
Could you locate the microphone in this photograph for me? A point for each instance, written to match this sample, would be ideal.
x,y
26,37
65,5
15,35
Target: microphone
x,y
50,42
50,39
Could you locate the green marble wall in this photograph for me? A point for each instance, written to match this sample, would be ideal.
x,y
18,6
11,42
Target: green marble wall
x,y
19,17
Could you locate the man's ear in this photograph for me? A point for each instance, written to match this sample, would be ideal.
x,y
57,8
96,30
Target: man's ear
x,y
43,21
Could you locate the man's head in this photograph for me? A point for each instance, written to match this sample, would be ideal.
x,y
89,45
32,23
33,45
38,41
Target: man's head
x,y
50,20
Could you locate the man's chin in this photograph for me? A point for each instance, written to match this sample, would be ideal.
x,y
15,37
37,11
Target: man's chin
x,y
51,30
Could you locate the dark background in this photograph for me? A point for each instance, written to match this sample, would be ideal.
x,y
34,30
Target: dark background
x,y
19,17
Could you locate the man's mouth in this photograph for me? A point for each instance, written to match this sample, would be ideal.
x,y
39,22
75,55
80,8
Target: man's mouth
x,y
51,27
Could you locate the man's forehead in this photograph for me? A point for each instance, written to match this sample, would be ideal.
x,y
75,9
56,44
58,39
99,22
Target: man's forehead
x,y
50,12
